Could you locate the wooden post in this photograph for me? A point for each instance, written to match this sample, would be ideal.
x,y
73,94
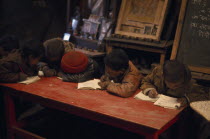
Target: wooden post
x,y
108,47
68,5
162,58
179,29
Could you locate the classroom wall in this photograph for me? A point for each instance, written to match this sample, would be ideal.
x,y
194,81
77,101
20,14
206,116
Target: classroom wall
x,y
37,19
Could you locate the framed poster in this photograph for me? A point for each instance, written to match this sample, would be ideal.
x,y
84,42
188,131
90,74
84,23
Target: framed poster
x,y
142,18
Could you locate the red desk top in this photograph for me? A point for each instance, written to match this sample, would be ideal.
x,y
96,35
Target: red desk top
x,y
126,109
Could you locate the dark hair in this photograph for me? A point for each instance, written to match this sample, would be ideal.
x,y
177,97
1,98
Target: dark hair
x,y
117,60
175,71
8,43
32,48
54,48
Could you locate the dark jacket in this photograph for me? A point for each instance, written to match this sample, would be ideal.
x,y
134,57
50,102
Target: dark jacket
x,y
14,69
88,74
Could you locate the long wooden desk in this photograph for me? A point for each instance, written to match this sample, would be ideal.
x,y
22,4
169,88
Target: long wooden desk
x,y
127,113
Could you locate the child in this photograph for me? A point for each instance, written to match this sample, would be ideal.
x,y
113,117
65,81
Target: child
x,y
125,75
68,46
172,79
20,64
77,67
7,45
54,51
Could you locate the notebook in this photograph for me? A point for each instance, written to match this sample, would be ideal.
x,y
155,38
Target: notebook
x,y
144,97
167,102
91,84
161,100
30,80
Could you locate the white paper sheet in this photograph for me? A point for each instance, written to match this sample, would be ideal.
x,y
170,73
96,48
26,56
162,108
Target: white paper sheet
x,y
142,96
91,84
167,102
30,80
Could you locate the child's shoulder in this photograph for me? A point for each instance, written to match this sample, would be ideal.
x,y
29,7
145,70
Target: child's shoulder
x,y
12,57
158,69
157,72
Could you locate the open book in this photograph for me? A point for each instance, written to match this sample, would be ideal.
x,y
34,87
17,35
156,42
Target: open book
x,y
30,80
167,102
91,84
161,100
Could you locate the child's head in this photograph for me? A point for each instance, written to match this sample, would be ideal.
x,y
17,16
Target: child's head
x,y
175,74
116,63
54,50
31,52
74,62
7,44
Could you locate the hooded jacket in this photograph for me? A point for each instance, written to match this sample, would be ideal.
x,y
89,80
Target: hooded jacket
x,y
53,48
127,84
13,68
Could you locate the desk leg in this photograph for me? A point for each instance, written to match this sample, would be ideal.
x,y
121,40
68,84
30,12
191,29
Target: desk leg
x,y
152,136
108,48
162,59
156,134
10,115
14,127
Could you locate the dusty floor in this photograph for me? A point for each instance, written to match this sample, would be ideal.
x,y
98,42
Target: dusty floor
x,y
201,91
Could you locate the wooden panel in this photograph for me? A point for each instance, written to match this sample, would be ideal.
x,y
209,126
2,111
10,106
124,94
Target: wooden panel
x,y
91,54
136,47
200,69
160,44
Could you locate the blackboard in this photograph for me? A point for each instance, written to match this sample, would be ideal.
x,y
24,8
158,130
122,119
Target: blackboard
x,y
192,40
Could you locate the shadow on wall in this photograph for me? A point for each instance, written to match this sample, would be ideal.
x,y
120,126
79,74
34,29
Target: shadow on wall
x,y
33,19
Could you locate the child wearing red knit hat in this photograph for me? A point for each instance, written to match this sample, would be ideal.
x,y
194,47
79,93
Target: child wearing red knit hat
x,y
61,60
77,67
74,62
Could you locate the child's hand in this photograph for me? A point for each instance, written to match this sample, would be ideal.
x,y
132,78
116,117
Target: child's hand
x,y
60,74
153,93
182,101
49,72
22,76
104,78
104,85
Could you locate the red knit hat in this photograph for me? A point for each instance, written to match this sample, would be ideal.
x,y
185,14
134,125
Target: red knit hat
x,y
74,62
